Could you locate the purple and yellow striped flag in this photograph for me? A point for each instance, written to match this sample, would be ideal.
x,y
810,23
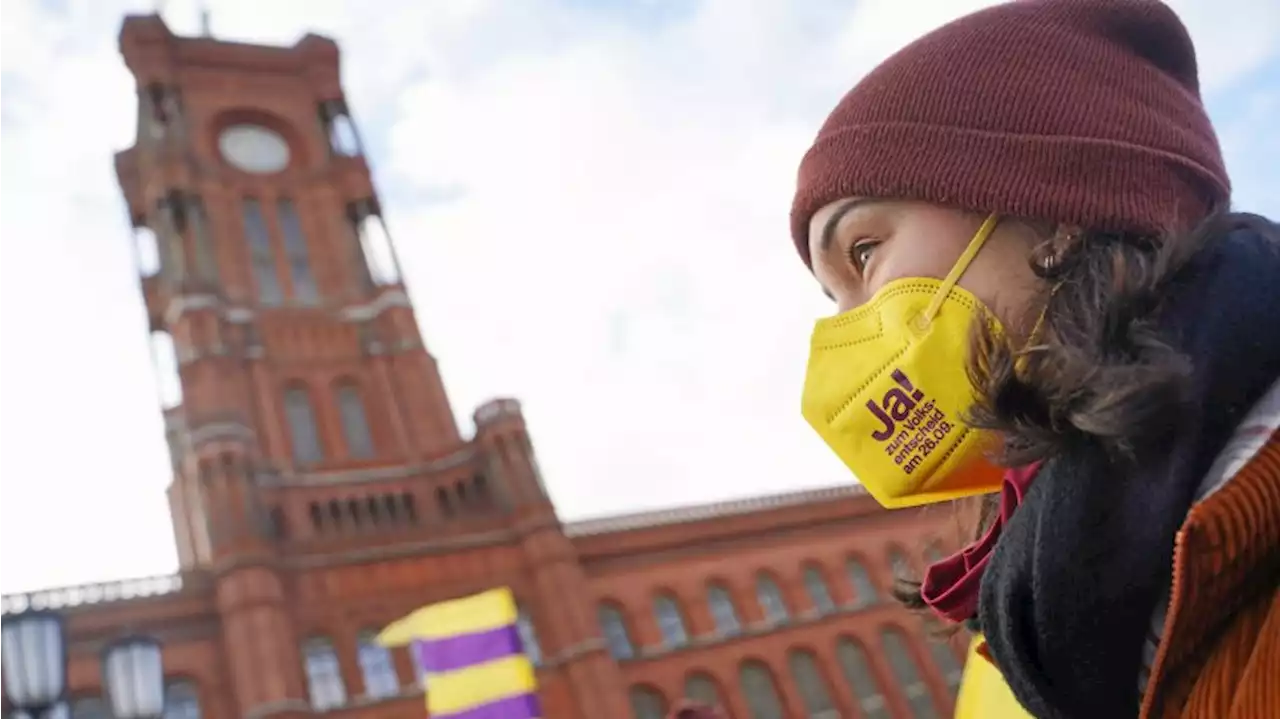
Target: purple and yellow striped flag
x,y
470,653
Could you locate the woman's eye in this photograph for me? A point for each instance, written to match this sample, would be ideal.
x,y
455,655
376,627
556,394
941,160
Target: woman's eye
x,y
860,253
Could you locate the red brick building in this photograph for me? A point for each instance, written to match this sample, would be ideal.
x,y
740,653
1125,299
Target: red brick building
x,y
322,487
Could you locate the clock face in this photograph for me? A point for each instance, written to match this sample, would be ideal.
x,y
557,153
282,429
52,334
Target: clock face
x,y
253,148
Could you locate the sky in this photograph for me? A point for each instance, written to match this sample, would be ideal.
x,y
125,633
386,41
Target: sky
x,y
589,200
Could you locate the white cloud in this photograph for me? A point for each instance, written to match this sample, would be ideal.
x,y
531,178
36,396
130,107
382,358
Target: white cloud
x,y
614,250
1233,38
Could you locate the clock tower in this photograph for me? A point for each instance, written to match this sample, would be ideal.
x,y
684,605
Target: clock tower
x,y
318,470
297,350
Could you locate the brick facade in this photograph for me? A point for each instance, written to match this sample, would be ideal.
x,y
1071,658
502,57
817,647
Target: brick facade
x,y
322,487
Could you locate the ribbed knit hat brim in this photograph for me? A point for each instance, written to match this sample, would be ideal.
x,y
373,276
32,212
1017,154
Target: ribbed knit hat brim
x,y
1083,112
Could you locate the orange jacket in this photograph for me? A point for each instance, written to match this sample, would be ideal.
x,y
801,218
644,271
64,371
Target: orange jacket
x,y
1219,657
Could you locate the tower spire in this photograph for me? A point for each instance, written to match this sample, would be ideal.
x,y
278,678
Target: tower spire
x,y
204,20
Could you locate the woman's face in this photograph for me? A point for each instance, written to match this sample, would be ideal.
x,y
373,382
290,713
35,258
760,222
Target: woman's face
x,y
859,245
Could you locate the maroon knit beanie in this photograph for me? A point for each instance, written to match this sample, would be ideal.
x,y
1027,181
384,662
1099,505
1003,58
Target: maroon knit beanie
x,y
1080,112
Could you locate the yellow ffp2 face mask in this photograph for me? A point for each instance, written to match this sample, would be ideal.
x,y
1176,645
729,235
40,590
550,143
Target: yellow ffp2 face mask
x,y
887,389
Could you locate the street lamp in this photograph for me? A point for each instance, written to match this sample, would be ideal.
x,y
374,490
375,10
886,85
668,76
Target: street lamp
x,y
35,670
61,710
34,662
133,676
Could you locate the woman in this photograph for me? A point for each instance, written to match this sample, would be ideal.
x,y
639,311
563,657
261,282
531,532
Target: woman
x,y
1041,296
1023,221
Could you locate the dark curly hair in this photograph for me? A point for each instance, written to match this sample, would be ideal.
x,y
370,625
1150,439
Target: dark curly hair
x,y
1097,372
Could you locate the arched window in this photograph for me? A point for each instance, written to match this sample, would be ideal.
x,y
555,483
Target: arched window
x,y
702,688
295,249
647,703
89,708
760,691
528,636
933,552
317,516
375,245
146,251
670,621
355,426
389,506
169,221
813,687
419,672
324,674
197,222
769,595
231,469
261,255
376,666
723,611
443,503
862,683
480,490
615,632
899,563
355,512
864,590
374,510
342,136
816,585
165,357
410,507
302,426
278,523
897,650
949,666
181,701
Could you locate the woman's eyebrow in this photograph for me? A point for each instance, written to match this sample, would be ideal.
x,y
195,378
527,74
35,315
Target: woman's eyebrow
x,y
829,228
829,231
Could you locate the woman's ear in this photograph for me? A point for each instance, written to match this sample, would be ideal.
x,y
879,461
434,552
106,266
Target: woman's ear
x,y
1049,255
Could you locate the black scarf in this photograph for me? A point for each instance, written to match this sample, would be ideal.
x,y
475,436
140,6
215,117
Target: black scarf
x,y
1067,600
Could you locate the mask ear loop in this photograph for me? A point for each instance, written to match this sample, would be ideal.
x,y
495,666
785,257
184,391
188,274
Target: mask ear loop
x,y
962,264
1037,331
